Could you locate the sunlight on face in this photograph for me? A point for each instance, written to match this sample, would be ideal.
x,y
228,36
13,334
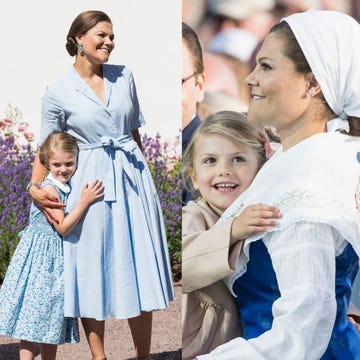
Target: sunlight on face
x,y
222,170
62,165
277,90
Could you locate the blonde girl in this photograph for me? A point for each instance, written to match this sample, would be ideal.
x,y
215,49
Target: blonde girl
x,y
32,295
222,159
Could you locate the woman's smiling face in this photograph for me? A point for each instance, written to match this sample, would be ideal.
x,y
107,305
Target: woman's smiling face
x,y
278,91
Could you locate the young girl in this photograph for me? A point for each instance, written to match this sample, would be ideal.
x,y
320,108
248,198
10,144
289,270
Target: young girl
x,y
223,157
32,295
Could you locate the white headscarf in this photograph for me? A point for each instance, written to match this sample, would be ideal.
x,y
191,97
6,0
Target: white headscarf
x,y
330,41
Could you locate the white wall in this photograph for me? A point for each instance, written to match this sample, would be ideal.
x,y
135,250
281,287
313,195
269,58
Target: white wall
x,y
147,39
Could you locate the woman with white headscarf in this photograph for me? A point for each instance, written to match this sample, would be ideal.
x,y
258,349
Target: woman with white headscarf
x,y
293,284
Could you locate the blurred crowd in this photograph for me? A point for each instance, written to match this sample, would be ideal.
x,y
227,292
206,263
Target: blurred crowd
x,y
230,33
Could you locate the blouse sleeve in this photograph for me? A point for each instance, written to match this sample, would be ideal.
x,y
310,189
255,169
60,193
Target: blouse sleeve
x,y
206,251
52,116
137,118
303,258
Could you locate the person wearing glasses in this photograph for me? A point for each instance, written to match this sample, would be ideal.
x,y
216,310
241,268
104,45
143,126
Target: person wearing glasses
x,y
193,82
193,88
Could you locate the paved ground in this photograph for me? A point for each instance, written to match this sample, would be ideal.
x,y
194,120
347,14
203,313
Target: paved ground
x,y
166,339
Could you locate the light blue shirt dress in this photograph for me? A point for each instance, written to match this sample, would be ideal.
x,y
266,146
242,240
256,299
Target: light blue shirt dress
x,y
116,259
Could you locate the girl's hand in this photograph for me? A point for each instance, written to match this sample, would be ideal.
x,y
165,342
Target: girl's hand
x,y
93,192
46,202
253,219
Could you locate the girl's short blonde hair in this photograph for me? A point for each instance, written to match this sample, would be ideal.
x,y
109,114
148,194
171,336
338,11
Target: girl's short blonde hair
x,y
234,127
57,140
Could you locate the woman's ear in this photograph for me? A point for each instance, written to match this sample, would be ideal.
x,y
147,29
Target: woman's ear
x,y
313,87
78,38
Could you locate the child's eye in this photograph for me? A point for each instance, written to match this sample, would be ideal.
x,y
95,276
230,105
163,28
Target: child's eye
x,y
209,160
238,159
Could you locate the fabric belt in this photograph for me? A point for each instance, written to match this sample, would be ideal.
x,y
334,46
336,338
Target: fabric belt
x,y
125,144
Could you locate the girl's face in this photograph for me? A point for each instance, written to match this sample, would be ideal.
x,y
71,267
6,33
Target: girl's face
x,y
62,165
222,170
278,91
98,42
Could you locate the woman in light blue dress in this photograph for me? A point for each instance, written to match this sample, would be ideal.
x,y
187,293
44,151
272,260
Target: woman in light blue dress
x,y
32,295
116,259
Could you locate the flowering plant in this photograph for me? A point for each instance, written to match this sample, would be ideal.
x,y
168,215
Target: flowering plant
x,y
164,161
11,124
16,158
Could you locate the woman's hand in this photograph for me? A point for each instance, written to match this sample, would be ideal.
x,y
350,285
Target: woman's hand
x,y
46,202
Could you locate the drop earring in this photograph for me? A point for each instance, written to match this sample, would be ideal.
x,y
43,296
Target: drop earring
x,y
81,48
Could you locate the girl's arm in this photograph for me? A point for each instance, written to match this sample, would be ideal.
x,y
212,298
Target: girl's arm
x,y
210,251
205,249
303,256
89,194
253,219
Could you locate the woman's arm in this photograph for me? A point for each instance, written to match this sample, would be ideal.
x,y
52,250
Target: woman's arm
x,y
46,201
89,194
137,138
52,119
303,257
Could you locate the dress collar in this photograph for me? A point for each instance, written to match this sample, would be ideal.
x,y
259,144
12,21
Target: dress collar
x,y
65,187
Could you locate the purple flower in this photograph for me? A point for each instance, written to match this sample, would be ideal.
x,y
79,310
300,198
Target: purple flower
x,y
165,164
15,172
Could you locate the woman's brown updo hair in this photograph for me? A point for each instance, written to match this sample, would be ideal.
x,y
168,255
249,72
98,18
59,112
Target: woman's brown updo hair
x,y
293,51
81,24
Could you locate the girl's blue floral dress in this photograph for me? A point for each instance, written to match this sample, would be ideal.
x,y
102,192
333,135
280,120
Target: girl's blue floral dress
x,y
32,295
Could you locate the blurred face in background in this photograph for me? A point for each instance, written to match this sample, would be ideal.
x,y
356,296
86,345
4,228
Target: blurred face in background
x,y
192,87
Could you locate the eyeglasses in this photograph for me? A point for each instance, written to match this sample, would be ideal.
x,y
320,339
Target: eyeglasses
x,y
188,77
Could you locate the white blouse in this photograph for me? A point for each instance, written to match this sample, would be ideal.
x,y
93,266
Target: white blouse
x,y
303,257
